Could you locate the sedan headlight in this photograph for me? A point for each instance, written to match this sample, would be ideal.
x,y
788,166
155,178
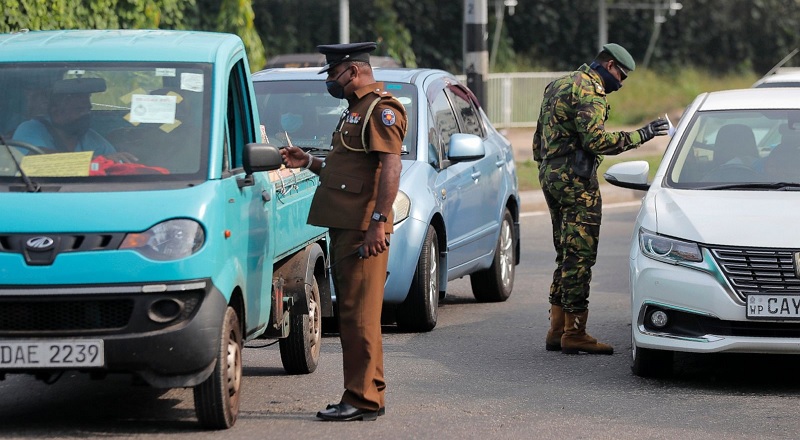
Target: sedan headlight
x,y
401,207
170,240
668,250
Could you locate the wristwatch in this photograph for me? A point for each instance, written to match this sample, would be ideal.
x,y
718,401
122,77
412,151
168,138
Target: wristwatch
x,y
378,217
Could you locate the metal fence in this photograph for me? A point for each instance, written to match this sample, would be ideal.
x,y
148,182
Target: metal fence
x,y
513,99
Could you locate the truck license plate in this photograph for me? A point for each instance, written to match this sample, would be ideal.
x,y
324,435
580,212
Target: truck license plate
x,y
773,306
61,353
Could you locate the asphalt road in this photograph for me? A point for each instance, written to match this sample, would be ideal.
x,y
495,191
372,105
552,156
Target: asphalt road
x,y
481,373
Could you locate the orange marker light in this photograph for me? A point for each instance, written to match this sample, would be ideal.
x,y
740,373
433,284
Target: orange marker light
x,y
227,233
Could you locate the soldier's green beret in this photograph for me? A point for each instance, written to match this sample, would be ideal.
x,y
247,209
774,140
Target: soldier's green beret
x,y
621,55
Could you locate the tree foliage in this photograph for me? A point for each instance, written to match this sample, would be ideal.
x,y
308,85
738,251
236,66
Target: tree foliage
x,y
721,36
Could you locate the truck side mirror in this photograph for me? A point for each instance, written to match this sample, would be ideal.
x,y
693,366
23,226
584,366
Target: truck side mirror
x,y
261,157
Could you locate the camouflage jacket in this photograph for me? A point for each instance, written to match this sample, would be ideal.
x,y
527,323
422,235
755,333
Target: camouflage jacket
x,y
573,115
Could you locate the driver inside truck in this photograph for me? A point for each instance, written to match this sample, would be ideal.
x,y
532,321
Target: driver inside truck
x,y
65,127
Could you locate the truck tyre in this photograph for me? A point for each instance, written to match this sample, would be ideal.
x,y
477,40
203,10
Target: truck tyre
x,y
216,400
300,350
495,283
420,310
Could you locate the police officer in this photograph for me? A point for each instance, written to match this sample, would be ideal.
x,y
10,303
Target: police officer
x,y
569,140
359,179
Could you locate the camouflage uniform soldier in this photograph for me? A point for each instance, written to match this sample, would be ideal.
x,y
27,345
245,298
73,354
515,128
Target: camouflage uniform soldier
x,y
568,143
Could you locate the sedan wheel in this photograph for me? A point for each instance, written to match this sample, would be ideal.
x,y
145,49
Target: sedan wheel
x,y
647,362
495,283
420,310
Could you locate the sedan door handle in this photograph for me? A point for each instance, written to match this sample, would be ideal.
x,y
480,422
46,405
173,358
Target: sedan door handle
x,y
475,175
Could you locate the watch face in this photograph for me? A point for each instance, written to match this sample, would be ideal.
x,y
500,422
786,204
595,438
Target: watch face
x,y
376,216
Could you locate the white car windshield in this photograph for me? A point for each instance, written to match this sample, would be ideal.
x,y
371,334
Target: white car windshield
x,y
738,149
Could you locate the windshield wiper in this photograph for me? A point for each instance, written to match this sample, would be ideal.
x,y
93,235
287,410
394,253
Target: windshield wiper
x,y
29,184
780,186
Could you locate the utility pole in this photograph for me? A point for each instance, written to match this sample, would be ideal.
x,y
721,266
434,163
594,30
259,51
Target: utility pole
x,y
344,21
476,52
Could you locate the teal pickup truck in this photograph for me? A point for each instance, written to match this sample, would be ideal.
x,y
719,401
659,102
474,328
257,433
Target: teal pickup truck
x,y
148,227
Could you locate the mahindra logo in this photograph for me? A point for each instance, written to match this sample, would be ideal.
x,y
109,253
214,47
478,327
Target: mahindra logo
x,y
44,243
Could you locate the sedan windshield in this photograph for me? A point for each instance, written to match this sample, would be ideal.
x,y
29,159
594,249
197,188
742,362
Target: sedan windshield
x,y
98,122
737,149
303,113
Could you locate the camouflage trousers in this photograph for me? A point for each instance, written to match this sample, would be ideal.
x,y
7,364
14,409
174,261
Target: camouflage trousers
x,y
575,212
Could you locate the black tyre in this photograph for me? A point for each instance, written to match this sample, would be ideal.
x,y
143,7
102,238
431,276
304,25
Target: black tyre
x,y
496,283
216,400
420,310
647,362
300,350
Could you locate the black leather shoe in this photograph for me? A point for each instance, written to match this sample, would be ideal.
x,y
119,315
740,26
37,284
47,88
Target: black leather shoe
x,y
344,412
381,411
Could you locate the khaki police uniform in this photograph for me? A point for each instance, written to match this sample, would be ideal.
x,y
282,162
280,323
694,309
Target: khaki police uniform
x,y
344,202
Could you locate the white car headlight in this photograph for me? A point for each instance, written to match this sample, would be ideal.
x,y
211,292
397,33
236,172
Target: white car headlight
x,y
401,207
668,250
170,240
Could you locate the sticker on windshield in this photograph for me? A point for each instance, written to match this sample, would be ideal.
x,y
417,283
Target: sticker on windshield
x,y
192,82
164,71
153,109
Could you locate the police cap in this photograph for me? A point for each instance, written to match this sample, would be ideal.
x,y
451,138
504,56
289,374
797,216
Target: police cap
x,y
339,53
621,55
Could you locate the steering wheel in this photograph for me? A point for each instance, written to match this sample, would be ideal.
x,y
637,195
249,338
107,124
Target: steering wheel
x,y
24,145
733,172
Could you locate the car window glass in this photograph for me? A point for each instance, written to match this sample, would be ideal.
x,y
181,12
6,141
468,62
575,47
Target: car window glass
x,y
445,120
434,145
467,114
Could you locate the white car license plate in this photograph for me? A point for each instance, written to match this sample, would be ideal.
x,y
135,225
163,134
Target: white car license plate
x,y
773,306
58,353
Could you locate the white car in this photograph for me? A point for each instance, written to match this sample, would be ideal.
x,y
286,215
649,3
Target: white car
x,y
785,78
715,254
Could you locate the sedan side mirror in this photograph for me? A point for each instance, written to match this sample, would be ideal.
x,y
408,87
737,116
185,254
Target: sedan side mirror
x,y
463,148
631,175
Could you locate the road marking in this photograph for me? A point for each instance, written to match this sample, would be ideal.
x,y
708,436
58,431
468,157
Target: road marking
x,y
608,206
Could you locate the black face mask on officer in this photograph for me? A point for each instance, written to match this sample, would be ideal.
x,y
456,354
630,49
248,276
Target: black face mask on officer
x,y
610,83
334,88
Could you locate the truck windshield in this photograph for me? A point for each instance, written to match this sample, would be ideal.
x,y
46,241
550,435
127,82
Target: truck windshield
x,y
86,122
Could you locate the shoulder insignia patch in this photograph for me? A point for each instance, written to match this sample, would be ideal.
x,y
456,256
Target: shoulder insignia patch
x,y
388,117
598,87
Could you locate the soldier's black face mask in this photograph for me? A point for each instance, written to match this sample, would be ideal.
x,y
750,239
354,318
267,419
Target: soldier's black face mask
x,y
610,83
334,88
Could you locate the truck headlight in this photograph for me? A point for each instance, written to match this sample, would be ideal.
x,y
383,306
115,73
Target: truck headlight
x,y
170,240
668,250
401,207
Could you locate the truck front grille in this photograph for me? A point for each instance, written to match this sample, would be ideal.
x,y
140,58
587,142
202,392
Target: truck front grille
x,y
64,315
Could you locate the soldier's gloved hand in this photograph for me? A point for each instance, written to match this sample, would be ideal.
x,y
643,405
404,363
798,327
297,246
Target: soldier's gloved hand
x,y
659,127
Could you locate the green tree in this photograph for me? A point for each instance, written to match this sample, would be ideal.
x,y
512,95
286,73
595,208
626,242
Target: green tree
x,y
236,17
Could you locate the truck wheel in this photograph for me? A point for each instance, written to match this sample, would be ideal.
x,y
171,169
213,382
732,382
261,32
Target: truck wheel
x,y
495,283
216,400
300,350
420,310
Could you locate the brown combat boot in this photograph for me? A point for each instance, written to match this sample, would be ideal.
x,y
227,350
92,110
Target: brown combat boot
x,y
553,340
575,338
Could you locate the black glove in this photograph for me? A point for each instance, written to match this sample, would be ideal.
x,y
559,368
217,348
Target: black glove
x,y
659,127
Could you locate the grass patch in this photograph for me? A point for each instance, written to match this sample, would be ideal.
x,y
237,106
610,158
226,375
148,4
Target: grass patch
x,y
528,171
